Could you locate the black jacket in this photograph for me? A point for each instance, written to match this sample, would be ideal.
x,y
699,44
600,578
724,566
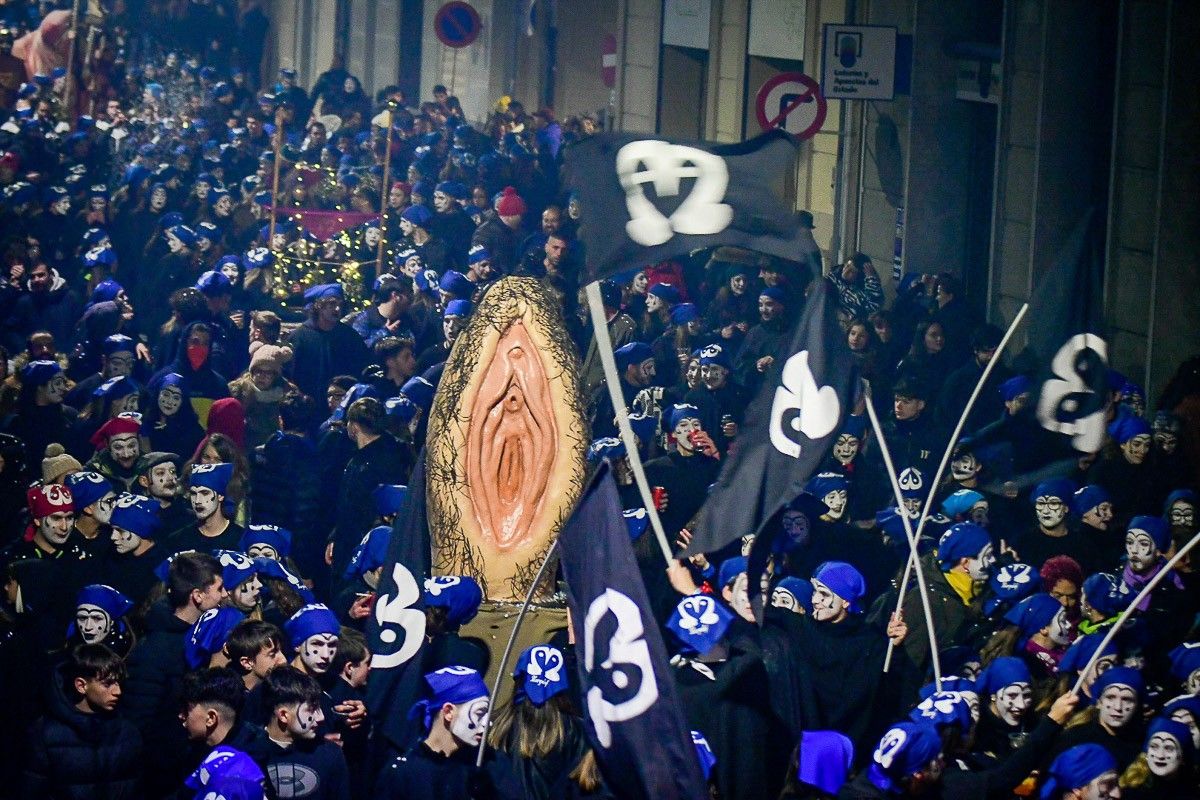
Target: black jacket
x,y
319,355
500,241
286,491
382,461
77,755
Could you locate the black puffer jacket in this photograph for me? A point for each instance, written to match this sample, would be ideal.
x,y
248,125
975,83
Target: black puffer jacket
x,y
77,755
286,491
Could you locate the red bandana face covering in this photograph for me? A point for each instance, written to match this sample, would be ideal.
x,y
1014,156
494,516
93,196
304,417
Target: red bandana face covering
x,y
197,354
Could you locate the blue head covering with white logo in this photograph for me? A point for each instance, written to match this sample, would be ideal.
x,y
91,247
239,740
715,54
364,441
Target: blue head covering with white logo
x,y
136,514
699,622
454,685
227,774
943,709
906,749
236,568
608,447
636,521
272,536
681,411
312,620
209,635
1106,593
87,487
212,476
545,672
1010,584
460,595
704,754
371,552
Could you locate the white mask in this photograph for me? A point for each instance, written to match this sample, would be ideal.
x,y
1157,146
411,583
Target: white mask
x,y
318,652
653,302
204,502
230,271
827,606
1051,511
785,599
981,566
1012,703
845,448
1141,550
470,721
1183,513
1117,705
56,528
1163,755
262,551
124,448
305,720
1060,628
125,541
1185,717
93,623
964,467
245,594
169,401
836,500
740,597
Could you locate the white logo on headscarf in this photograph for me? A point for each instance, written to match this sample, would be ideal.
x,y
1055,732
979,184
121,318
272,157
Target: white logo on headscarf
x,y
711,351
199,469
889,747
697,613
1013,576
818,406
438,584
230,558
911,480
938,703
545,665
392,612
634,513
205,617
666,165
90,477
627,661
453,670
1076,395
56,495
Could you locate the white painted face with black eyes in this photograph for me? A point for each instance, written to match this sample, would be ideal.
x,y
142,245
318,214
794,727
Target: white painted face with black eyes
x,y
305,720
470,721
827,606
1117,705
262,551
836,501
1164,755
125,541
1012,702
318,652
845,448
1183,513
1141,550
245,594
1060,628
1183,716
204,501
781,598
1051,511
981,566
93,623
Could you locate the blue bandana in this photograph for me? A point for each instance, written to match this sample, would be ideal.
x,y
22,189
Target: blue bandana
x,y
214,284
118,343
478,253
1105,592
730,569
826,482
644,426
1062,488
115,388
950,683
389,498
1156,528
1076,768
87,487
1126,426
545,673
136,514
1011,583
960,503
460,595
665,292
632,354
699,622
844,581
1081,651
227,774
420,391
39,373
420,216
269,568
370,554
943,709
357,391
106,598
636,522
1088,498
454,685
209,634
458,308
799,589
277,538
1003,671
704,754
105,291
963,540
456,284
1177,731
1185,659
608,447
906,749
684,313
400,409
1013,388
715,354
312,620
1033,613
320,292
681,411
212,476
236,568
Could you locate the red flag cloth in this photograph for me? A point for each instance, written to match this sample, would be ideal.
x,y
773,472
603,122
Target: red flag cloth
x,y
324,224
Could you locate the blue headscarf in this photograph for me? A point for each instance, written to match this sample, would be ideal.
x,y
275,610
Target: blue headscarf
x,y
608,447
1011,583
943,709
209,634
545,672
87,487
636,522
1156,528
800,590
277,538
236,568
454,685
312,620
963,540
1120,676
825,759
136,514
1032,614
699,622
460,595
1076,768
370,554
389,498
1105,593
229,774
212,476
906,749
1003,671
1185,659
844,581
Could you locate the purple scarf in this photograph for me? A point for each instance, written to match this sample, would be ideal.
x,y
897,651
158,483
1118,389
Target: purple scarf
x,y
1137,582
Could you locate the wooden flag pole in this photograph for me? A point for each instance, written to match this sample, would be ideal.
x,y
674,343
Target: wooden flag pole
x,y
278,139
384,192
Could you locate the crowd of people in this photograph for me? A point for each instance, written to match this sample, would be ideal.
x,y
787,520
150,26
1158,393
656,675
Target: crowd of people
x,y
211,408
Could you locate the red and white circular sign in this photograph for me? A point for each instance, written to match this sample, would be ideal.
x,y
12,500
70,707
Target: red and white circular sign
x,y
792,102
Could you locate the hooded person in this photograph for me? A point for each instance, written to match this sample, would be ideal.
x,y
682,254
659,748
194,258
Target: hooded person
x,y
711,672
94,502
1166,767
451,601
213,529
1083,771
1114,721
193,363
117,450
169,423
130,565
453,719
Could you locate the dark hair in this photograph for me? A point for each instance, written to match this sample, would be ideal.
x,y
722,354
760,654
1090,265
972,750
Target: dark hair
x,y
249,638
909,384
986,337
390,346
440,89
396,285
296,410
288,686
917,350
219,686
269,323
92,662
860,260
949,283
343,382
352,649
369,414
190,572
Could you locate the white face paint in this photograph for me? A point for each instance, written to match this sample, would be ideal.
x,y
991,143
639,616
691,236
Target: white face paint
x,y
125,541
845,448
245,594
56,528
747,543
1060,628
125,449
653,302
781,598
305,720
56,389
204,502
1185,717
964,467
230,270
102,509
981,566
836,500
1051,511
1141,550
262,551
1164,755
1183,513
1103,664
827,606
1137,448
912,507
318,652
686,426
93,623
169,400
1192,684
470,721
1012,702
1117,705
740,597
164,483
127,404
972,700
1105,787
441,202
795,528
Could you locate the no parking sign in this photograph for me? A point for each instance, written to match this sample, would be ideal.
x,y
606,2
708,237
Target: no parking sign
x,y
791,101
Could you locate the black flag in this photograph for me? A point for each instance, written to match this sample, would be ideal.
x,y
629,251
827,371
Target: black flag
x,y
1067,341
790,427
645,199
396,628
633,718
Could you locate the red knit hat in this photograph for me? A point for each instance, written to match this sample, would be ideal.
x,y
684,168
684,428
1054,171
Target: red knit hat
x,y
114,427
46,500
510,204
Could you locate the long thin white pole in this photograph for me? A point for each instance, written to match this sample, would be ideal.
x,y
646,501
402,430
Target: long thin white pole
x,y
937,479
912,539
604,348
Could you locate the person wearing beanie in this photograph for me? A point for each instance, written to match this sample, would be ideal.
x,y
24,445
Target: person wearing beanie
x,y
1081,773
1127,472
94,503
1053,534
212,528
48,536
1115,721
117,450
450,223
1093,509
500,232
261,390
906,762
41,417
1147,540
58,464
416,223
324,346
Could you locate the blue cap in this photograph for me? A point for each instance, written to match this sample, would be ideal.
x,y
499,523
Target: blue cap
x,y
774,293
961,502
1105,592
1128,425
118,343
644,426
608,447
906,749
1062,488
632,353
420,391
184,234
457,284
102,256
825,482
87,487
389,498
371,552
460,595
272,536
458,308
699,622
844,581
1014,387
420,216
545,672
236,568
943,709
212,476
209,634
681,411
314,293
1127,677
799,589
1155,527
1075,768
636,522
478,253
107,291
715,354
136,514
312,620
454,685
1003,671
684,313
214,283
1087,498
1033,614
963,540
39,373
1185,659
1081,651
730,569
106,598
1182,734
401,409
665,292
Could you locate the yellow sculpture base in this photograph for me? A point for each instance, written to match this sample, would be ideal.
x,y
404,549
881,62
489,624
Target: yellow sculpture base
x,y
493,625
